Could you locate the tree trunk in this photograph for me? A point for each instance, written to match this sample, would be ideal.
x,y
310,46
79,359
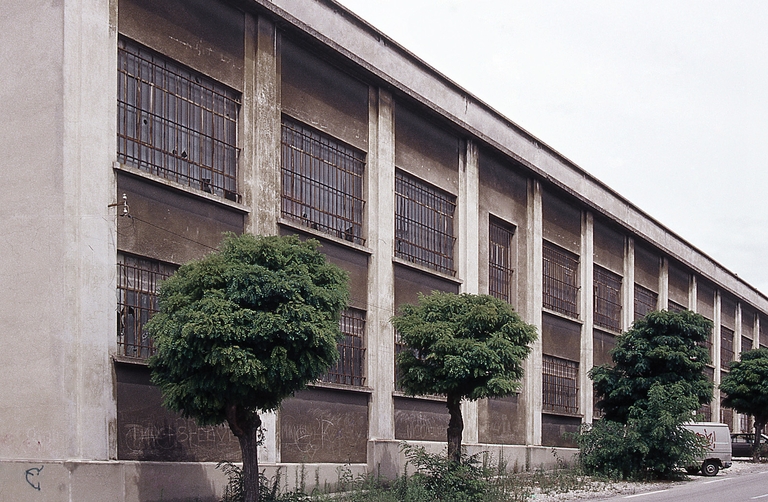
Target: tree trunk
x,y
455,428
245,426
756,443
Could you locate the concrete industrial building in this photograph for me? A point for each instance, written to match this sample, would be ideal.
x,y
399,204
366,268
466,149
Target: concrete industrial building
x,y
136,132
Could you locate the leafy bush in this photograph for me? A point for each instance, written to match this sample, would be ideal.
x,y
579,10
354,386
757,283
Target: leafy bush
x,y
448,480
652,444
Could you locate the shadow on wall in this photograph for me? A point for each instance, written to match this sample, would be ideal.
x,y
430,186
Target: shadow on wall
x,y
175,482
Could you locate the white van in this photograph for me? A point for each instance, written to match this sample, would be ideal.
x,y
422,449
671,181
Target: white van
x,y
718,455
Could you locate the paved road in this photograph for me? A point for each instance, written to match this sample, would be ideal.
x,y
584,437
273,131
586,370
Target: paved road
x,y
725,487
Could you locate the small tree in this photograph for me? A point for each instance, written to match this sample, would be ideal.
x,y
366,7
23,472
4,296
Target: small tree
x,y
663,347
464,347
656,383
242,329
746,388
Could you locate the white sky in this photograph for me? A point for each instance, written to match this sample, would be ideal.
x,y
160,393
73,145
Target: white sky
x,y
665,101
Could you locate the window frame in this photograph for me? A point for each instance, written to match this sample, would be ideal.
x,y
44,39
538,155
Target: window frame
x,y
349,370
560,280
559,385
501,260
607,287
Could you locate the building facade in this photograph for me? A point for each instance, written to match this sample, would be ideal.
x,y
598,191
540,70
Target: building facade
x,y
136,133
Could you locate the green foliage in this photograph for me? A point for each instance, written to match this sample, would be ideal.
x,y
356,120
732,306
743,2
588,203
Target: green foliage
x,y
662,348
446,480
746,384
468,346
247,326
652,444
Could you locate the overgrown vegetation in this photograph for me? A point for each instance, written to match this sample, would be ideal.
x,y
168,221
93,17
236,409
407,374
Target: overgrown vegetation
x,y
428,478
655,384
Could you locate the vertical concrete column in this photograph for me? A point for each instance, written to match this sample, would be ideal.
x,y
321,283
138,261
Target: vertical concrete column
x,y
664,284
737,332
380,217
469,245
628,312
756,332
716,342
693,295
260,156
587,313
533,381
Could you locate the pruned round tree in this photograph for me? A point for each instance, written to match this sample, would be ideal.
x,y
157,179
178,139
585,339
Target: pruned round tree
x,y
663,347
463,347
242,329
746,389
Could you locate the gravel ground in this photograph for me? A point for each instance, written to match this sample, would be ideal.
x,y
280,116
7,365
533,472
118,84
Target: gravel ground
x,y
598,490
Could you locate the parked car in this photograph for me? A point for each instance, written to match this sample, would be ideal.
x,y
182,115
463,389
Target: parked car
x,y
742,442
718,454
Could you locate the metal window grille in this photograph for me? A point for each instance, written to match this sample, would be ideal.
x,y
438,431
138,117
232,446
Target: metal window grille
x,y
500,266
607,299
176,123
673,306
137,288
726,414
705,412
349,370
560,384
322,185
726,347
424,224
561,290
645,301
746,344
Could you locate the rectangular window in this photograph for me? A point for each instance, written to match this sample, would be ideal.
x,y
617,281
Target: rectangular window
x,y
500,261
424,224
746,344
675,307
560,384
607,299
726,347
645,301
176,123
137,288
322,182
349,370
561,290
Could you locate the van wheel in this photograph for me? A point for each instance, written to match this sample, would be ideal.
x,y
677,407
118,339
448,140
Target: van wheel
x,y
710,468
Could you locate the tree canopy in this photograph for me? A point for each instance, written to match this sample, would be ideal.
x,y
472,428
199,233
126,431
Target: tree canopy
x,y
464,347
746,389
663,347
243,328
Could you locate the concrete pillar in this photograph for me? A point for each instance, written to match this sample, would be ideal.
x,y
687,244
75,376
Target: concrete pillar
x,y
716,342
628,300
756,332
587,312
693,295
469,245
260,156
664,285
57,300
533,380
380,214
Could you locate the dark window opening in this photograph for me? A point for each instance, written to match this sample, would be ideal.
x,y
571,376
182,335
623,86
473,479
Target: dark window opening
x,y
645,301
176,123
322,182
607,287
560,385
349,370
138,280
726,347
500,262
424,224
561,290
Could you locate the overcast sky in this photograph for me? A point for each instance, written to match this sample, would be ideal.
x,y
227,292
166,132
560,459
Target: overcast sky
x,y
664,101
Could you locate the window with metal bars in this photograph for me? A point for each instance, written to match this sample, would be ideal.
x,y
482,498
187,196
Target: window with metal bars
x,y
560,384
500,261
322,182
349,370
726,347
561,272
137,288
746,344
607,287
176,123
673,306
424,224
705,413
645,301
